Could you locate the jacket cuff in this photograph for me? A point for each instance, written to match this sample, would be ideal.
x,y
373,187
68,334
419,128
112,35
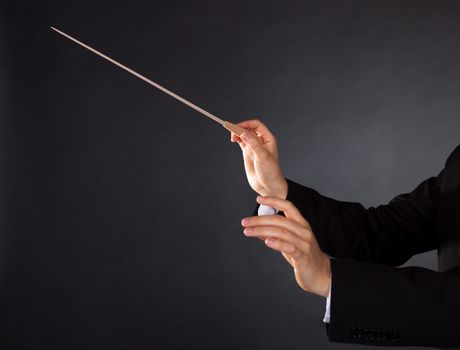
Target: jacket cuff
x,y
300,195
359,297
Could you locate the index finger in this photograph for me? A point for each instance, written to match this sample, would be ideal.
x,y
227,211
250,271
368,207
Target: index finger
x,y
275,220
285,206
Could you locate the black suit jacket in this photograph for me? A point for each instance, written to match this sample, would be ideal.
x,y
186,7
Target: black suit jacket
x,y
374,302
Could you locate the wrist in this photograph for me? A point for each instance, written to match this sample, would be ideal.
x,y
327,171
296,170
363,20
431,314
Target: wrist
x,y
280,191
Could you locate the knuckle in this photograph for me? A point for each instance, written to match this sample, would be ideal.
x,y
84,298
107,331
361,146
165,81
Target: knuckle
x,y
308,234
284,231
296,253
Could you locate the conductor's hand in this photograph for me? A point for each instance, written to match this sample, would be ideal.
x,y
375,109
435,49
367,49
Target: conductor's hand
x,y
261,161
292,235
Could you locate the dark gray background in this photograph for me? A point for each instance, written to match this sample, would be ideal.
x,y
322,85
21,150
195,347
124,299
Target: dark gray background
x,y
121,227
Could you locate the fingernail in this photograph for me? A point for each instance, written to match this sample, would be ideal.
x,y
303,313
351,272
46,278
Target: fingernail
x,y
269,241
244,221
247,230
260,198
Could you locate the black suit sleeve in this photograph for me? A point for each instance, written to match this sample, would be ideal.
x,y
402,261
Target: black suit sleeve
x,y
388,234
382,305
373,302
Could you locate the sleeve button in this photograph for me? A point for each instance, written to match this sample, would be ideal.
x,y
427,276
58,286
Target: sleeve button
x,y
356,332
369,334
393,336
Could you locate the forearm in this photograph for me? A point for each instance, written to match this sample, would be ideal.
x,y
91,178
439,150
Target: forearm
x,y
388,234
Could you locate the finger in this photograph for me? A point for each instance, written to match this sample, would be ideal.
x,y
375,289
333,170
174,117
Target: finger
x,y
254,144
248,165
258,127
235,138
285,206
276,232
284,247
280,221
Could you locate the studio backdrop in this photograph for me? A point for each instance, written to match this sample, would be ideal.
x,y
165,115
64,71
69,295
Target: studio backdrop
x,y
120,207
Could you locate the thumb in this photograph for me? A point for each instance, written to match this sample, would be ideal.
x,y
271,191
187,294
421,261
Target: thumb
x,y
253,143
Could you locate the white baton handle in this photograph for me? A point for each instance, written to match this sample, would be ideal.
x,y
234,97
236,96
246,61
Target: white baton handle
x,y
266,210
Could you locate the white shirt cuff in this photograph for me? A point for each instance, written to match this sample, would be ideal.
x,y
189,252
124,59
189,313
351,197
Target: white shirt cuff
x,y
327,315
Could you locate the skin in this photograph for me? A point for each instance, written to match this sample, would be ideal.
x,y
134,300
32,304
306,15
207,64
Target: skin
x,y
291,235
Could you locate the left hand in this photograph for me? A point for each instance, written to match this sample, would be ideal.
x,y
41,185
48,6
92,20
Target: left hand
x,y
292,235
